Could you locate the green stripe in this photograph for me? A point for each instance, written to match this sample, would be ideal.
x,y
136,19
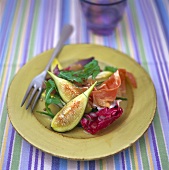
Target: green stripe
x,y
125,40
144,153
16,152
2,124
33,30
160,141
101,164
132,157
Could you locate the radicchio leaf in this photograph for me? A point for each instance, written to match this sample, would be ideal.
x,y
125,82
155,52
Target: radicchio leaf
x,y
56,70
83,62
95,121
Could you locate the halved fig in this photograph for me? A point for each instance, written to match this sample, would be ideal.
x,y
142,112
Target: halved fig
x,y
70,115
66,89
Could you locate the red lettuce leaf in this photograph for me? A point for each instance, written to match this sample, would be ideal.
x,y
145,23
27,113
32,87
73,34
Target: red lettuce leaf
x,y
95,121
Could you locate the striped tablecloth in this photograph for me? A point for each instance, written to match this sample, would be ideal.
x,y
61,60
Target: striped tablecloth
x,y
29,27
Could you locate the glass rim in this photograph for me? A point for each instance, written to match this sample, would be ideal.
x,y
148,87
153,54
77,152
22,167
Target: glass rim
x,y
106,4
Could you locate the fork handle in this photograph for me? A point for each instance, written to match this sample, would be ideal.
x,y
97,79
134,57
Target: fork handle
x,y
66,32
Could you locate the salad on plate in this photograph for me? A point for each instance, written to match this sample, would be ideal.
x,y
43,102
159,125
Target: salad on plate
x,y
87,96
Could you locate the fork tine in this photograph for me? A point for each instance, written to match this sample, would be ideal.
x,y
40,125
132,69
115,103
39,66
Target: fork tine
x,y
36,98
26,94
31,97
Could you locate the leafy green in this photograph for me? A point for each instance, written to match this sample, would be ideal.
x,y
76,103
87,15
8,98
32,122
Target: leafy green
x,y
51,98
46,113
121,98
110,68
90,69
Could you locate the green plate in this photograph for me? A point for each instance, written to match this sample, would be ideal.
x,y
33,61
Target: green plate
x,y
138,114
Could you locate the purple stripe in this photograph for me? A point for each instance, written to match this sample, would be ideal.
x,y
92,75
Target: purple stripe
x,y
42,161
167,66
28,31
30,157
48,26
123,162
91,165
164,65
36,159
10,148
127,156
86,32
86,35
112,43
138,152
8,20
55,163
156,65
6,32
155,148
65,17
164,18
78,165
61,15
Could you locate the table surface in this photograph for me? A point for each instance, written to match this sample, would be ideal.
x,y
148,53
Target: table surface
x,y
31,27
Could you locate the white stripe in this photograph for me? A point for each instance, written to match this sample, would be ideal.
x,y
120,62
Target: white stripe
x,y
39,160
47,161
24,155
73,38
33,158
72,165
110,163
57,22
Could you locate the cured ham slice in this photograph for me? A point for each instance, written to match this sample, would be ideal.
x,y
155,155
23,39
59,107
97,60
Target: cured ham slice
x,y
107,91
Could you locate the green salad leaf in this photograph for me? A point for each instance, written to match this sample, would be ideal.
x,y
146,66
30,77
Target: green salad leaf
x,y
90,69
51,98
110,68
121,98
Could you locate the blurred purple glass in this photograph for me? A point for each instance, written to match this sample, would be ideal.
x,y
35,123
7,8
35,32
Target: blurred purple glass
x,y
102,16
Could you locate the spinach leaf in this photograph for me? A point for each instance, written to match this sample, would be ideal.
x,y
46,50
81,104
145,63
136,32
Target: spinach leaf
x,y
90,69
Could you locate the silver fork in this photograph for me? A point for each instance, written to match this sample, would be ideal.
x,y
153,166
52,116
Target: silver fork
x,y
37,82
